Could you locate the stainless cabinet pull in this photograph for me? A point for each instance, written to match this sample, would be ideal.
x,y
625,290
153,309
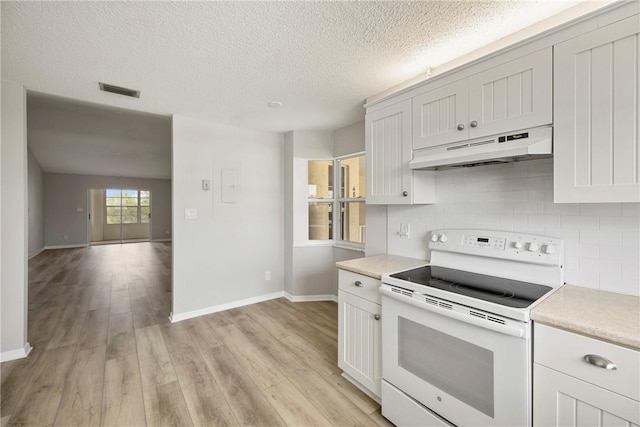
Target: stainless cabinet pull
x,y
460,126
376,316
405,193
358,284
600,362
473,124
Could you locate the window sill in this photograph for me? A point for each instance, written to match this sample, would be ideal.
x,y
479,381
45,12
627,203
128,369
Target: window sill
x,y
349,247
329,243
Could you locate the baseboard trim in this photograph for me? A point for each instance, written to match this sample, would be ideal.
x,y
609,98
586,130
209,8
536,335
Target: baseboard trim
x,y
38,252
162,240
310,298
65,246
222,307
16,354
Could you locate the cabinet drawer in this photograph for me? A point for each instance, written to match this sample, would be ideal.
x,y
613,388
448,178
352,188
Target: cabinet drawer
x,y
565,351
360,285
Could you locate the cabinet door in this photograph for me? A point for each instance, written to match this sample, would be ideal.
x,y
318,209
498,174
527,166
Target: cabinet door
x,y
359,351
562,400
388,147
512,96
440,116
596,116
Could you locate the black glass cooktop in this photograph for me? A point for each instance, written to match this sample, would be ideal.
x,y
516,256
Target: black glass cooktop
x,y
511,293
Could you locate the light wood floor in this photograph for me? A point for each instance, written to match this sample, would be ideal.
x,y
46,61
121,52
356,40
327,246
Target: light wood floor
x,y
105,353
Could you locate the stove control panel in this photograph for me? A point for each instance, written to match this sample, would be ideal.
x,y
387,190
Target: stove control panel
x,y
499,244
484,242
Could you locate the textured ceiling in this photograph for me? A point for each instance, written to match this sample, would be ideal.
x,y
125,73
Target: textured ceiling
x,y
224,61
79,138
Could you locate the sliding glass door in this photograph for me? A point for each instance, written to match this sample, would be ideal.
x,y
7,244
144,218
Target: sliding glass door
x,y
120,215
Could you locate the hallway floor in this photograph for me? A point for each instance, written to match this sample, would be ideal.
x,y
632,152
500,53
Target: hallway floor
x,y
104,352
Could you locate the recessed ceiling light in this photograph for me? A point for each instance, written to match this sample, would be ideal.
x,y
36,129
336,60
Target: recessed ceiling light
x,y
274,104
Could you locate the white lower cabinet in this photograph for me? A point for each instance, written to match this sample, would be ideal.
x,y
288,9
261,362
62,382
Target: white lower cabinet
x,y
562,400
359,329
569,391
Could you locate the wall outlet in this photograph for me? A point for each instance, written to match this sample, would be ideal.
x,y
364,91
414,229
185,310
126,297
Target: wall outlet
x,y
65,237
191,213
404,230
267,275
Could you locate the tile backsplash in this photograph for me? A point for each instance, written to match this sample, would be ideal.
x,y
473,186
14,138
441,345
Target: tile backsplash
x,y
602,241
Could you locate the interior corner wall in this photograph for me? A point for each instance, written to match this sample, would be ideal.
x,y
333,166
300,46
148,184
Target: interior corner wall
x,y
36,205
311,267
288,213
349,140
221,255
66,200
14,188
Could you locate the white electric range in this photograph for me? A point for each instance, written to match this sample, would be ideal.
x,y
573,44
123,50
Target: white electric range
x,y
456,334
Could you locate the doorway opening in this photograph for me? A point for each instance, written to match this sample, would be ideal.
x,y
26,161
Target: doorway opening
x,y
119,216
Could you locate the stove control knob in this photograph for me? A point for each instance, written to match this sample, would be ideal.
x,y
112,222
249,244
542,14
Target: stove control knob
x,y
517,245
532,247
549,249
443,238
434,238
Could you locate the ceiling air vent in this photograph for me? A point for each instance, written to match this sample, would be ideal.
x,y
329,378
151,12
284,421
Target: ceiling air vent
x,y
119,90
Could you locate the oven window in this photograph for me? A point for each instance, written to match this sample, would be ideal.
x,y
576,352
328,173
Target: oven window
x,y
459,368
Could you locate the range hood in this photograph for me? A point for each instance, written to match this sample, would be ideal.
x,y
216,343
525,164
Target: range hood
x,y
525,144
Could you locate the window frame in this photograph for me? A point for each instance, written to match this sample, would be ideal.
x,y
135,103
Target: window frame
x,y
341,242
138,207
336,239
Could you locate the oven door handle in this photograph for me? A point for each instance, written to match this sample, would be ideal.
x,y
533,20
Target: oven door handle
x,y
519,332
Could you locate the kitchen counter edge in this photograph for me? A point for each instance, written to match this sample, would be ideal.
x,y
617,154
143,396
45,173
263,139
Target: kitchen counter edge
x,y
603,315
376,266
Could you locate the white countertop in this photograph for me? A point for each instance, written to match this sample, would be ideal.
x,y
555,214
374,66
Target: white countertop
x,y
376,266
608,316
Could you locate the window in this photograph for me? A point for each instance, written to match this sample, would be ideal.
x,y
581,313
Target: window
x,y
337,212
127,206
321,199
352,182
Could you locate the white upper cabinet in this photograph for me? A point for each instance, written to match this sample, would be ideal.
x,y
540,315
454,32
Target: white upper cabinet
x,y
596,135
509,97
441,115
388,148
513,96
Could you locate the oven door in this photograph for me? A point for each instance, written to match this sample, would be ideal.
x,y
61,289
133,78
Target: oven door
x,y
466,372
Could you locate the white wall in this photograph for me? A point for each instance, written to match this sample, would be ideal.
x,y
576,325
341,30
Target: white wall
x,y
602,241
36,205
221,256
65,193
349,139
14,191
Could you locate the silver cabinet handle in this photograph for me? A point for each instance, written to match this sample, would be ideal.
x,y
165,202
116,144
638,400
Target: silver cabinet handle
x,y
600,362
405,193
473,124
358,284
376,316
460,126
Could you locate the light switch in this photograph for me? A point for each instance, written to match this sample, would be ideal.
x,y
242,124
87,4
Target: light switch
x,y
206,184
190,213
